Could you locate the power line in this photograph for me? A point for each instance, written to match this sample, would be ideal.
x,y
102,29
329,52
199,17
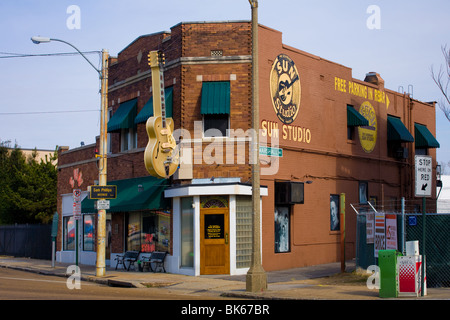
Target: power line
x,y
9,55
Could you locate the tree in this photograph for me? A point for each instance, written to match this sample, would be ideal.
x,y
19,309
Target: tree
x,y
442,80
27,187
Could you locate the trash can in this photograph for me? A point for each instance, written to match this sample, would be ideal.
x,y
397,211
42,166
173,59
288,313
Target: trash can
x,y
387,261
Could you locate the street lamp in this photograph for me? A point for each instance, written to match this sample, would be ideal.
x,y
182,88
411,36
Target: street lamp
x,y
103,74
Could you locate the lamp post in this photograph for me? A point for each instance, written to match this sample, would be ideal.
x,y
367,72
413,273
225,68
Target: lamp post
x,y
256,279
103,74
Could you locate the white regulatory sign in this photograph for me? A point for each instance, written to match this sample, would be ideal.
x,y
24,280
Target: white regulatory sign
x,y
103,204
424,173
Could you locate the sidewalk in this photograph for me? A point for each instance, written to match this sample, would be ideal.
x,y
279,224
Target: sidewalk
x,y
309,283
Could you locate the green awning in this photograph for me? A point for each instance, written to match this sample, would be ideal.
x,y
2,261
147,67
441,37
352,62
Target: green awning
x,y
147,110
215,98
123,118
145,193
355,119
396,130
424,138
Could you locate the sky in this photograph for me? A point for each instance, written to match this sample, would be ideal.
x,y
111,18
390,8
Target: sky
x,y
49,101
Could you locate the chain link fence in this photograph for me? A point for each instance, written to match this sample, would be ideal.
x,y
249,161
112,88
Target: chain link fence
x,y
391,224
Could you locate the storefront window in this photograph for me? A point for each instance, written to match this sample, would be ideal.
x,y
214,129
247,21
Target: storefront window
x,y
148,231
69,233
187,233
88,232
282,227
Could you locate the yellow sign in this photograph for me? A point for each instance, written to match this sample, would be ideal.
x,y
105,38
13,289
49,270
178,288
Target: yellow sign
x,y
285,89
287,132
368,134
362,91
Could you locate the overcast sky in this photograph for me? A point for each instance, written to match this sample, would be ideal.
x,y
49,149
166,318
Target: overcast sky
x,y
402,45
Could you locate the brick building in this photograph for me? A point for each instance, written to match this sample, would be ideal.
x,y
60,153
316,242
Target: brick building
x,y
327,134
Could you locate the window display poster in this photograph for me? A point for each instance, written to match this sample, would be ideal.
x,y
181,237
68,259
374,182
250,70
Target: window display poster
x,y
334,213
282,221
380,233
391,232
370,227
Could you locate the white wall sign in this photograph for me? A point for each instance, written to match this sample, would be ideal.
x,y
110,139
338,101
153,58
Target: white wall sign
x,y
424,172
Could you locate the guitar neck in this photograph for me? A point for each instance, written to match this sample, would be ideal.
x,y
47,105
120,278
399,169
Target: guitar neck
x,y
162,97
156,62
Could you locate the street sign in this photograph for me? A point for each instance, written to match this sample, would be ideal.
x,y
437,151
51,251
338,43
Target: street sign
x,y
412,220
76,210
103,192
269,151
103,204
424,179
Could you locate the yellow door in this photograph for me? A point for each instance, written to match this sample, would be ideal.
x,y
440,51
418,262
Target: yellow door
x,y
214,236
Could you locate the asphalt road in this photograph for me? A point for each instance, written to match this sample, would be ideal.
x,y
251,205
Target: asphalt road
x,y
20,285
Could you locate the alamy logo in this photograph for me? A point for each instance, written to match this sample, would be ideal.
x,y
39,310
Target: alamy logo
x,y
373,281
374,20
74,280
74,20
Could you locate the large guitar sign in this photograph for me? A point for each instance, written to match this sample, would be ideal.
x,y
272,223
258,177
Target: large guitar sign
x,y
161,155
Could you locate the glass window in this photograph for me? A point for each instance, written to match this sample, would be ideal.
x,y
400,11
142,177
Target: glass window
x,y
69,233
363,192
88,232
215,125
128,139
149,231
187,233
244,223
134,232
282,227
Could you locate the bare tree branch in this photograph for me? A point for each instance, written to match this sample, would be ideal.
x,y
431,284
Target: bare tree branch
x,y
442,80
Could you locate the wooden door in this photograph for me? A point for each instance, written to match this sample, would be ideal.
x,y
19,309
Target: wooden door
x,y
214,241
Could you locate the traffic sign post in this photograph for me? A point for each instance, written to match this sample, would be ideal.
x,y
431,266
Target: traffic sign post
x,y
77,217
424,184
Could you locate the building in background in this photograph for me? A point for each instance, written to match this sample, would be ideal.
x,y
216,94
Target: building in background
x,y
323,134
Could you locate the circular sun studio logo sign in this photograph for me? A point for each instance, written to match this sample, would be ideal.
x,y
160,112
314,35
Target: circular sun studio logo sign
x,y
285,89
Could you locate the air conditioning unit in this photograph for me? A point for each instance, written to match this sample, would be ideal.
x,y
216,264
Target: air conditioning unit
x,y
288,193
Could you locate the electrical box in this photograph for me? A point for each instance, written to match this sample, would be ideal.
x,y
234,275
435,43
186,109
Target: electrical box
x,y
387,261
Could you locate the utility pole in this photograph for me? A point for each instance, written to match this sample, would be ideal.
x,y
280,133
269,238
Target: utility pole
x,y
101,223
256,280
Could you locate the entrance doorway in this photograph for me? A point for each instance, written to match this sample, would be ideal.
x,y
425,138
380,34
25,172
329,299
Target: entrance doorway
x,y
214,241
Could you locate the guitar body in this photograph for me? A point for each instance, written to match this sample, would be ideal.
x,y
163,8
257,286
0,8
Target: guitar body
x,y
160,157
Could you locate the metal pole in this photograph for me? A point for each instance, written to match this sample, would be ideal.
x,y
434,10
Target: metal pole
x,y
342,205
424,222
403,227
256,280
101,223
76,242
53,251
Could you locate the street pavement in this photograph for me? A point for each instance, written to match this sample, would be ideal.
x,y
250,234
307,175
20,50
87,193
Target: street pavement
x,y
294,284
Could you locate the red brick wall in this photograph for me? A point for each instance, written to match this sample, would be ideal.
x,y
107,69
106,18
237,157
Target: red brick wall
x,y
333,163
